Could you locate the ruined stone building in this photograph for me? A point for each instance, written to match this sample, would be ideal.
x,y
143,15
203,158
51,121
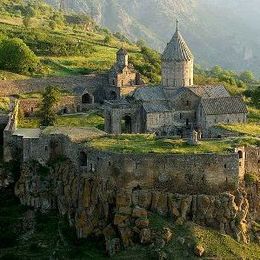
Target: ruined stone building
x,y
84,92
176,106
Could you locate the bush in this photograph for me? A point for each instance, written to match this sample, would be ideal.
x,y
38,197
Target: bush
x,y
251,179
17,57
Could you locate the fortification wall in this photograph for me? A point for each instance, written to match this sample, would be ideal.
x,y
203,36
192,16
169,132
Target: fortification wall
x,y
188,174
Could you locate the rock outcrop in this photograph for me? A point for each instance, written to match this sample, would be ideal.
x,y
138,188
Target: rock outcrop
x,y
96,205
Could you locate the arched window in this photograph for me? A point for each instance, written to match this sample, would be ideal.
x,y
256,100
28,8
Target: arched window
x,y
87,99
240,154
83,159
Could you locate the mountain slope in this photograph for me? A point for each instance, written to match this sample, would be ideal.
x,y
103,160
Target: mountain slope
x,y
218,31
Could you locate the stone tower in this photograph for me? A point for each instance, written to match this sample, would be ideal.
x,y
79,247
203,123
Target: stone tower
x,y
177,63
122,58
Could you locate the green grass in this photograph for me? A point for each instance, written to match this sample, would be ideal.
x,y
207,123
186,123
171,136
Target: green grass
x,y
99,61
254,115
252,129
145,143
98,57
6,75
92,119
4,104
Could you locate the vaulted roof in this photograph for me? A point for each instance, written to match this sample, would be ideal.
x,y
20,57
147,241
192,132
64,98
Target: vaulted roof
x,y
177,49
209,91
150,94
224,105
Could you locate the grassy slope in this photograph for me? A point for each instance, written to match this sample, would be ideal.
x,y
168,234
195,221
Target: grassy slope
x,y
216,245
99,58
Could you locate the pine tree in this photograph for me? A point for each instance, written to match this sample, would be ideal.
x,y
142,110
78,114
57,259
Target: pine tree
x,y
47,112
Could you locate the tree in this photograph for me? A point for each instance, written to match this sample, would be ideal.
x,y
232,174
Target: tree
x,y
107,39
17,57
50,98
216,71
247,76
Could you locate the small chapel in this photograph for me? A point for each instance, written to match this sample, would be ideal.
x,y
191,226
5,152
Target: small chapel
x,y
176,106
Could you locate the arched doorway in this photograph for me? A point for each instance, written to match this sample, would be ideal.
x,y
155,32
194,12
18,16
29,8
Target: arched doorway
x,y
83,159
87,99
56,149
113,95
126,125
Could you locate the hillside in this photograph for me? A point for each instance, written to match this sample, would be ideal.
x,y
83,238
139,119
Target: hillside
x,y
219,32
66,44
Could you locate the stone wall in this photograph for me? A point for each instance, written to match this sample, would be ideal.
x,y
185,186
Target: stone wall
x,y
252,166
189,174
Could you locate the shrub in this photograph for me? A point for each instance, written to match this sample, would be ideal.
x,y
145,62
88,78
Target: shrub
x,y
251,179
17,57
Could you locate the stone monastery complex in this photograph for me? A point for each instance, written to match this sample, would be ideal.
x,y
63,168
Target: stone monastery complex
x,y
95,188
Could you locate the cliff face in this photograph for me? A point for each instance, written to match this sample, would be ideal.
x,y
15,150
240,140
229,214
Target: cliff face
x,y
219,32
99,205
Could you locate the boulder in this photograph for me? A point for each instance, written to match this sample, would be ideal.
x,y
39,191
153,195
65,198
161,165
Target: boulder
x,y
167,234
120,219
199,250
139,213
125,210
123,199
145,236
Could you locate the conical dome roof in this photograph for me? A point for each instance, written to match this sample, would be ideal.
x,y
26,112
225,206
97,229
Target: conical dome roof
x,y
177,49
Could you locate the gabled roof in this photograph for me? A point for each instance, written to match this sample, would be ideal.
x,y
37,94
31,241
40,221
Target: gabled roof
x,y
150,94
177,49
209,91
224,105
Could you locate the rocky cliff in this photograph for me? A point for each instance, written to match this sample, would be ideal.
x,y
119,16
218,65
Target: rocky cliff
x,y
98,205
